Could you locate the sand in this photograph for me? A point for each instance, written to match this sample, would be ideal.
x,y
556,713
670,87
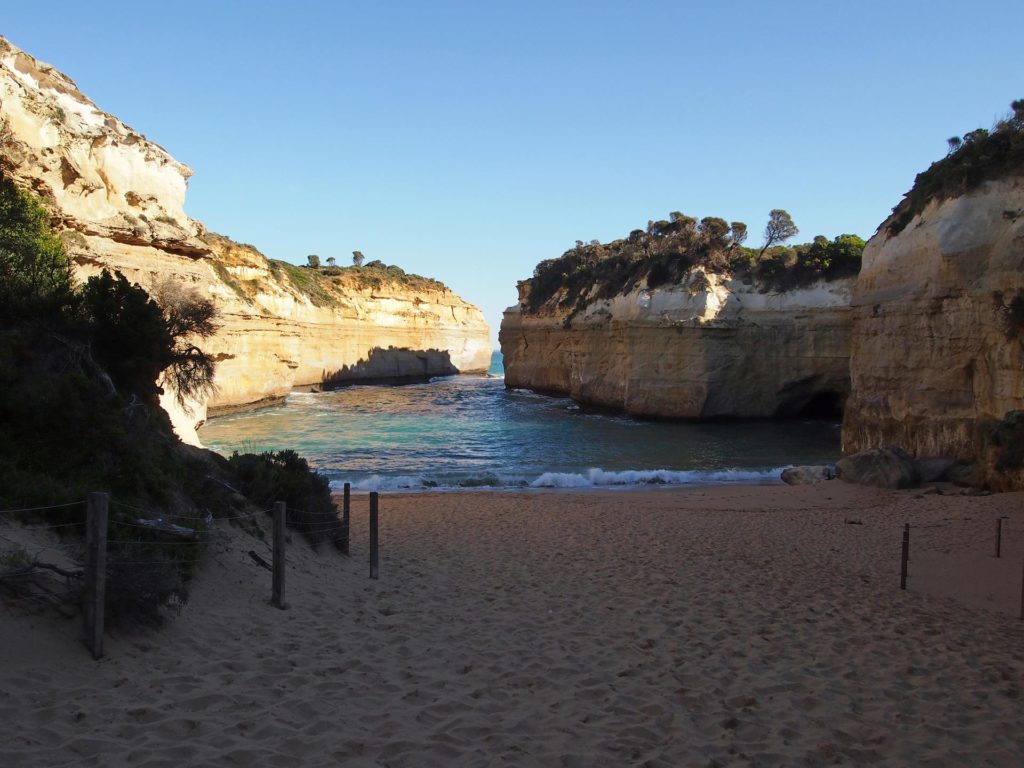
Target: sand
x,y
687,627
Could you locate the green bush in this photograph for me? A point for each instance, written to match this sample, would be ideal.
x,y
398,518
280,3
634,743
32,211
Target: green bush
x,y
285,476
35,272
784,268
667,252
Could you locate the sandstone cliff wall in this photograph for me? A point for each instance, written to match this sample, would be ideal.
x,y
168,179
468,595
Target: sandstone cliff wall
x,y
729,351
119,200
932,367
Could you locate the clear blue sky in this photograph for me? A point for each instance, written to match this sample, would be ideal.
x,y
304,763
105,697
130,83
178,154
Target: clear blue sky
x,y
469,140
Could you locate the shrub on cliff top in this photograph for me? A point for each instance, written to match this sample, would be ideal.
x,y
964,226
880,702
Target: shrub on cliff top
x,y
979,156
667,251
325,286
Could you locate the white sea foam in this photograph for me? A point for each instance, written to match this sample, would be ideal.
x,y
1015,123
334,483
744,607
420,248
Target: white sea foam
x,y
592,478
386,483
596,477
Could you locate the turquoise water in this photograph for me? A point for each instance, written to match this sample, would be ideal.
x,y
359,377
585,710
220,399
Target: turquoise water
x,y
469,432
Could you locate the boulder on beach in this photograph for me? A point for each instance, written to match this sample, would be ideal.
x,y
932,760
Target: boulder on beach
x,y
808,474
934,470
879,468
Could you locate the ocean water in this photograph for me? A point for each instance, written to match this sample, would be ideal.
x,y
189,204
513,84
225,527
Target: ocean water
x,y
469,432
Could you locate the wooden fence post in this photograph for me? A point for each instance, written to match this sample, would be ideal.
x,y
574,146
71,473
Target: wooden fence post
x,y
999,537
95,572
905,556
277,589
346,518
374,538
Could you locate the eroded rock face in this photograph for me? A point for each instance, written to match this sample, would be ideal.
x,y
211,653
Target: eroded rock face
x,y
727,351
932,367
119,200
102,177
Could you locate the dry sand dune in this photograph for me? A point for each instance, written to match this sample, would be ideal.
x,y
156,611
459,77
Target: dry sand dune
x,y
703,626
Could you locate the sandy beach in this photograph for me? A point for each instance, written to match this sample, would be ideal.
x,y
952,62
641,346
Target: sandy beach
x,y
713,626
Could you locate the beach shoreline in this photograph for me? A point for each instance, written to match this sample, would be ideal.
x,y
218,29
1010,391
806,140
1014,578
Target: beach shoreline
x,y
699,625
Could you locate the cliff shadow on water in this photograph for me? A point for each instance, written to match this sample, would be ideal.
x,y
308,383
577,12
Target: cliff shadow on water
x,y
394,365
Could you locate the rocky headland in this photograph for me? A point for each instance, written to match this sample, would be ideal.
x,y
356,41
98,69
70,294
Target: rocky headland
x,y
937,353
728,350
936,360
118,199
683,322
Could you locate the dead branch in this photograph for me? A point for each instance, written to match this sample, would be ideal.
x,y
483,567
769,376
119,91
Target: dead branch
x,y
260,561
169,529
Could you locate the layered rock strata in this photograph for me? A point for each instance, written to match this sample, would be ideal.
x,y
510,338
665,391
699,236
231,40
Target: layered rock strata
x,y
727,350
118,198
935,360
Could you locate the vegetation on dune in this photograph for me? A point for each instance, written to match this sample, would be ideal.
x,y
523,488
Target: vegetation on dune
x,y
307,281
375,274
325,285
81,368
974,158
285,476
681,251
244,289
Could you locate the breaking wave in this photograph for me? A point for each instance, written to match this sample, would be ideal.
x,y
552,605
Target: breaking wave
x,y
592,478
595,478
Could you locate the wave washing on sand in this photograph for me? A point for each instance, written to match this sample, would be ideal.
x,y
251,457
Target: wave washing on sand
x,y
592,478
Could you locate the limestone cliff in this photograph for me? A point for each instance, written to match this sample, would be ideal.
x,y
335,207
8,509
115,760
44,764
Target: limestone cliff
x,y
723,349
933,367
119,200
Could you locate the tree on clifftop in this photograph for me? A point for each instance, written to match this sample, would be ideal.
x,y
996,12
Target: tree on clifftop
x,y
739,232
357,258
780,227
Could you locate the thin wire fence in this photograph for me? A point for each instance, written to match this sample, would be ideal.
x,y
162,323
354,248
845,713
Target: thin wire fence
x,y
992,550
146,522
128,549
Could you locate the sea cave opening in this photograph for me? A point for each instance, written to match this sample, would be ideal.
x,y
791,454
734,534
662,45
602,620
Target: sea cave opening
x,y
827,405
